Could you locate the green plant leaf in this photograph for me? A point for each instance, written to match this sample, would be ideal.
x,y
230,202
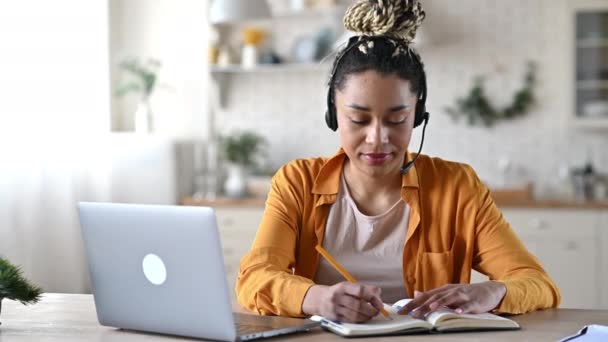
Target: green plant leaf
x,y
124,89
477,108
14,286
242,148
144,73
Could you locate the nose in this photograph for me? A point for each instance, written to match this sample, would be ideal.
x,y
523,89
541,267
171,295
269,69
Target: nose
x,y
376,134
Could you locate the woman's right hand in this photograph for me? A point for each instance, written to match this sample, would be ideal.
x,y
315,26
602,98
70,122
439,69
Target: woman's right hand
x,y
344,302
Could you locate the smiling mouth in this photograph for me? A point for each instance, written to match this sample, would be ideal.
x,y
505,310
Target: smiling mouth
x,y
376,158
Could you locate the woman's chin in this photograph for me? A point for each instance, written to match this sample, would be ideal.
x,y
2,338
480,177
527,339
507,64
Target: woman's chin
x,y
378,170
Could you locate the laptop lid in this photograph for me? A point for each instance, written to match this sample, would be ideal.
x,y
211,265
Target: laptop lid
x,y
157,268
160,269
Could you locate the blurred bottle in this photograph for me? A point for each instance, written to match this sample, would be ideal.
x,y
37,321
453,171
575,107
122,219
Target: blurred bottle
x,y
564,189
505,167
584,181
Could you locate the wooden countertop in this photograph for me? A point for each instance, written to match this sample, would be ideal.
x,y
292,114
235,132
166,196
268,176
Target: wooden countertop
x,y
72,317
552,204
226,202
502,203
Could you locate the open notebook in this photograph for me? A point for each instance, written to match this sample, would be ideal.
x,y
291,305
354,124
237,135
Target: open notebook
x,y
444,320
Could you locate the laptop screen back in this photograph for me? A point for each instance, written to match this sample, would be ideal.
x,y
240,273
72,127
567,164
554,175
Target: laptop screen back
x,y
157,268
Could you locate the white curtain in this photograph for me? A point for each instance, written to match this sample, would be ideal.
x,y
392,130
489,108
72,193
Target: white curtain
x,y
54,119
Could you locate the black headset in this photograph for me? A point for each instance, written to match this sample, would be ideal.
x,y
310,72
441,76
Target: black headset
x,y
421,115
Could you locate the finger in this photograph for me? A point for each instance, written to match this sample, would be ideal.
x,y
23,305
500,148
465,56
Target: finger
x,y
367,293
358,305
424,308
438,289
436,301
415,303
468,307
376,300
421,297
449,300
351,315
372,295
405,309
362,291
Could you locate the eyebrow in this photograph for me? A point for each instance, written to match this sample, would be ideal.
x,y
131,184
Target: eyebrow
x,y
366,109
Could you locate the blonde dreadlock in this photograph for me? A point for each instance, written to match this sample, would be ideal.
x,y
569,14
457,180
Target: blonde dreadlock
x,y
394,18
384,30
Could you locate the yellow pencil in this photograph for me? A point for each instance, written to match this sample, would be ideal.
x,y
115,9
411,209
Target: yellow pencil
x,y
343,272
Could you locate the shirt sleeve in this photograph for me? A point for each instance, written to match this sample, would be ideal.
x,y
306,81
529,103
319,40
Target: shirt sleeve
x,y
501,255
266,282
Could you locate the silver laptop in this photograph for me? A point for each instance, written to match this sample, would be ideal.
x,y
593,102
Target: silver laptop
x,y
160,269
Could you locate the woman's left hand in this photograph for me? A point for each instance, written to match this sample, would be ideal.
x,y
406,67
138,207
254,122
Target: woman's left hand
x,y
463,298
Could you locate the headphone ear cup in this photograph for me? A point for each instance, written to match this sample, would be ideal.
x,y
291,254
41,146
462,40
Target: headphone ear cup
x,y
420,114
330,113
330,119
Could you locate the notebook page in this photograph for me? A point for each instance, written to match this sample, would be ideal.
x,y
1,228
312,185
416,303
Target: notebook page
x,y
447,318
377,325
439,317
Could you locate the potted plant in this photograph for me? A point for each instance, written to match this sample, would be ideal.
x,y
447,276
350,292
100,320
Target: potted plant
x,y
241,150
143,83
14,286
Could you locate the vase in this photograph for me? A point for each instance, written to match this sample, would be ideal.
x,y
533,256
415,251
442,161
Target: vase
x,y
297,5
249,59
236,182
224,57
143,117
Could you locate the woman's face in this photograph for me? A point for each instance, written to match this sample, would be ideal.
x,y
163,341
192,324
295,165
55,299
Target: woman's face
x,y
375,121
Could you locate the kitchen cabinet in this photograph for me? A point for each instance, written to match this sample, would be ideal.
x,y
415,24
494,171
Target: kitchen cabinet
x,y
570,245
590,52
567,244
237,226
604,260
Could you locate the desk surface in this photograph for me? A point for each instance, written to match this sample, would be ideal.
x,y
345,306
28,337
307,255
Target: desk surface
x,y
66,317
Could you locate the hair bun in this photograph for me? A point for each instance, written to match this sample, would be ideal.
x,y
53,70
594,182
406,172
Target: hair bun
x,y
396,18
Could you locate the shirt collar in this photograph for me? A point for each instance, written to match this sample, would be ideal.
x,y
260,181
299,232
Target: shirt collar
x,y
328,179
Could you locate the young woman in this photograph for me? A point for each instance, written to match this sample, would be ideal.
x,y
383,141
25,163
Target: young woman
x,y
402,229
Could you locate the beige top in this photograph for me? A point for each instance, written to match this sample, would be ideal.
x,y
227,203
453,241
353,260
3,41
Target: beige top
x,y
370,248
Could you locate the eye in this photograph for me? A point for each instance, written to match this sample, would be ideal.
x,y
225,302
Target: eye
x,y
397,120
358,120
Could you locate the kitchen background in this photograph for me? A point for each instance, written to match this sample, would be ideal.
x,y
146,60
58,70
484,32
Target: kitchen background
x,y
68,138
492,38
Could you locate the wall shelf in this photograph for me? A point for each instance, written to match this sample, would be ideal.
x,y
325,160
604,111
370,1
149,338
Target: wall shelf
x,y
591,123
592,84
592,43
288,26
286,67
222,75
310,12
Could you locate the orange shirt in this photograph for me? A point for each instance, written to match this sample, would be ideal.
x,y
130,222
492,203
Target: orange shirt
x,y
454,227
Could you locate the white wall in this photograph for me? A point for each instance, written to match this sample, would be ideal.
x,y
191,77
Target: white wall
x,y
54,112
469,38
55,118
174,32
